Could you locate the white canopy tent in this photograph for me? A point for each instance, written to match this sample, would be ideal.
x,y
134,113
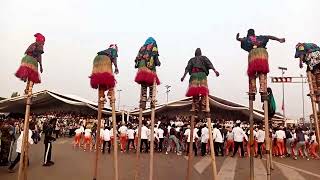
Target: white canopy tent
x,y
49,101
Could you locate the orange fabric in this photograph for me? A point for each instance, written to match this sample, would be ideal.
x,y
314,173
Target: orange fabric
x,y
123,141
314,150
280,146
77,139
230,143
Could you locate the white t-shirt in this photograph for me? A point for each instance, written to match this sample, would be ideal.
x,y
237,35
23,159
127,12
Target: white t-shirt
x,y
78,131
280,134
160,133
260,136
87,132
101,132
238,134
217,136
19,141
144,132
204,135
229,136
106,135
82,129
313,138
130,133
187,133
123,130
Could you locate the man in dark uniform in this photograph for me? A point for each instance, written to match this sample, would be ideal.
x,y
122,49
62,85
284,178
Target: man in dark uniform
x,y
48,129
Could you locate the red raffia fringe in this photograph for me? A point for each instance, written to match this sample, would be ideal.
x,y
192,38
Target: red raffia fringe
x,y
146,77
257,66
197,91
104,80
25,73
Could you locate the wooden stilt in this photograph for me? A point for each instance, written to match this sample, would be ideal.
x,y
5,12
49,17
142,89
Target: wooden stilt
x,y
314,106
101,100
271,147
190,155
136,176
153,106
115,142
23,175
266,125
251,138
213,157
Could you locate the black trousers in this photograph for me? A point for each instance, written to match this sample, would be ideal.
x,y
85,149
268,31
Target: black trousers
x,y
57,133
130,141
160,147
144,141
47,152
218,147
203,149
236,147
259,148
104,146
194,148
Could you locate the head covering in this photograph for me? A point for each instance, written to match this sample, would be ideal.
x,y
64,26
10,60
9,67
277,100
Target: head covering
x,y
114,46
150,40
198,52
40,37
250,32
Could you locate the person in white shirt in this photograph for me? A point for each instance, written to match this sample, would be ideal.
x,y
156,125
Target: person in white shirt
x,y
260,137
195,136
123,137
18,150
204,139
238,135
230,142
314,146
144,138
280,136
218,140
130,134
77,138
160,133
87,138
106,139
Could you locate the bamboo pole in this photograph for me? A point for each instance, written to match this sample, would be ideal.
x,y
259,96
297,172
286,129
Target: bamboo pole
x,y
271,147
266,125
213,157
136,176
190,155
314,106
101,100
22,174
114,128
153,106
251,138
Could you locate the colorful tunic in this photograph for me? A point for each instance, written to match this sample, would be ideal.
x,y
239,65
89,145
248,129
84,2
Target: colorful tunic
x,y
28,69
258,55
146,62
102,73
310,52
198,68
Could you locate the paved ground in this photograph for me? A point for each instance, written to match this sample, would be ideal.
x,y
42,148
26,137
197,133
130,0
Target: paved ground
x,y
77,165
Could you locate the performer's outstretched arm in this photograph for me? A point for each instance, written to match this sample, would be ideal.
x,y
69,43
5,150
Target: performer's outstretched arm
x,y
281,40
40,62
187,69
239,38
116,70
301,59
210,66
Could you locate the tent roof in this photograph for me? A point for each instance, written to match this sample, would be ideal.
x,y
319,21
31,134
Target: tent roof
x,y
47,101
215,102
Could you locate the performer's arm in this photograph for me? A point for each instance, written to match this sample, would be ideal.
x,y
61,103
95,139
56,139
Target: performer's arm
x,y
239,38
281,40
116,70
301,59
210,66
40,62
185,73
187,69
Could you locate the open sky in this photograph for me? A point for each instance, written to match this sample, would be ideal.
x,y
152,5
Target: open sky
x,y
76,30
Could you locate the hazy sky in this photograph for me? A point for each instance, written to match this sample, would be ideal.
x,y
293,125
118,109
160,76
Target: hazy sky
x,y
76,30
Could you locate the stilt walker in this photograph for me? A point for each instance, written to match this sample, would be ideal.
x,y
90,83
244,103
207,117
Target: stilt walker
x,y
102,78
258,66
309,54
28,72
198,67
146,62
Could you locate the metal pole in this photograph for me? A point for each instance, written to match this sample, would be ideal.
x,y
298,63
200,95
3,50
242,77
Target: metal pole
x,y
167,92
284,111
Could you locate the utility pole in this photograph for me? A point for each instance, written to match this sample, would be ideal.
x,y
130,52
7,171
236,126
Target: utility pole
x,y
167,91
119,91
283,69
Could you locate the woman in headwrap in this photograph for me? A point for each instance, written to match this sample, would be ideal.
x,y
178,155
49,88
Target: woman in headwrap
x,y
146,62
309,54
102,73
198,68
28,70
258,65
